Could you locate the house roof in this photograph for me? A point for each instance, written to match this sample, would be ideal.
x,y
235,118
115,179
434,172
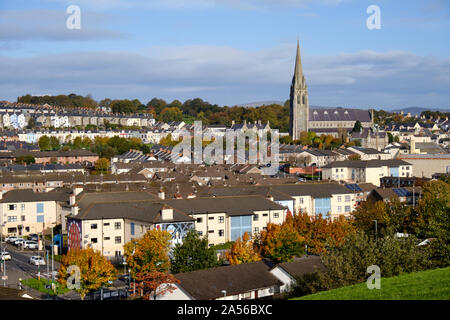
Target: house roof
x,y
28,195
339,114
366,163
234,279
302,265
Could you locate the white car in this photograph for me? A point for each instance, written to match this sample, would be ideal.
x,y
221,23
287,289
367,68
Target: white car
x,y
18,242
30,244
5,256
37,260
11,239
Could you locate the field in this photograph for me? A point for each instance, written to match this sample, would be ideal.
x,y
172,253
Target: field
x,y
424,285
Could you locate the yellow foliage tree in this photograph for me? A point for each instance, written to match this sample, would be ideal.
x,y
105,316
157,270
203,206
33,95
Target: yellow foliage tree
x,y
242,251
94,270
149,253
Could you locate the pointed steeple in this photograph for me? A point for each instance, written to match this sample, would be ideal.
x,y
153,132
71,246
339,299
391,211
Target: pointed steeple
x,y
298,74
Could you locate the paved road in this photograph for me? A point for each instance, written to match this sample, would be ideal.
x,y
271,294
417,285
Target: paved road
x,y
19,267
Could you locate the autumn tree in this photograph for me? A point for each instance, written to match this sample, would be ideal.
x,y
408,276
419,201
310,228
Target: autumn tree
x,y
152,284
242,251
282,242
354,157
95,270
149,253
192,254
102,164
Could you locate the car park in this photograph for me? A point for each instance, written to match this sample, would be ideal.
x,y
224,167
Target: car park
x,y
37,260
30,244
5,256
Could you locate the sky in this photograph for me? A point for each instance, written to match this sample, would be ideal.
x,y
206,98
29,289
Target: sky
x,y
229,52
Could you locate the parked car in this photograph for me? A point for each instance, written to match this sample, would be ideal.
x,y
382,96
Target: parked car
x,y
18,242
5,256
11,239
37,260
30,244
33,237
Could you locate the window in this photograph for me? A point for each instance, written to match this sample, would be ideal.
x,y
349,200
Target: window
x,y
118,240
342,170
211,231
132,229
337,170
255,217
94,240
106,238
211,218
12,207
300,200
265,214
347,208
22,218
200,233
339,199
255,229
221,219
39,208
221,233
40,218
347,198
118,253
142,228
339,209
12,218
275,215
117,225
199,220
22,206
94,226
106,224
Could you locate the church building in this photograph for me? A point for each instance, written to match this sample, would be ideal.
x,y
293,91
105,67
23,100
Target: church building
x,y
332,121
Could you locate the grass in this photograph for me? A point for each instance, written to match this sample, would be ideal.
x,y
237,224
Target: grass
x,y
40,285
424,285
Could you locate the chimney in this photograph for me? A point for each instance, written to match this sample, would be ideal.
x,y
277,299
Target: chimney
x,y
269,196
161,194
75,210
166,213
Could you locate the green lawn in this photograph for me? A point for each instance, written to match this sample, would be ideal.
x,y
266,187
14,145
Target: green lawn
x,y
424,285
40,285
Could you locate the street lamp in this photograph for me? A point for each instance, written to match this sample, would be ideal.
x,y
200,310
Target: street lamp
x,y
375,229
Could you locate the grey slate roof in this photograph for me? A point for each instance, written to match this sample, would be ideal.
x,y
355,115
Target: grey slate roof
x,y
235,279
339,114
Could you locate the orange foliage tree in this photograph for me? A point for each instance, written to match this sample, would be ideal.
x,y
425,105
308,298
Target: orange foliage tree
x,y
282,242
154,283
94,270
299,232
242,251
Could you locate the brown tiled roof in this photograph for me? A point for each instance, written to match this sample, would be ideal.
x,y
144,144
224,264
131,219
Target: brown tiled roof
x,y
303,265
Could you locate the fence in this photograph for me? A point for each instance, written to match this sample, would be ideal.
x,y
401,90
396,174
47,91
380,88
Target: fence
x,y
116,294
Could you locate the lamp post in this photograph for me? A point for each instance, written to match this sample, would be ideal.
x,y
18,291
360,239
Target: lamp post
x,y
375,229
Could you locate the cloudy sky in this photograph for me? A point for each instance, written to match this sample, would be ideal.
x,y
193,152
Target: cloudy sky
x,y
229,51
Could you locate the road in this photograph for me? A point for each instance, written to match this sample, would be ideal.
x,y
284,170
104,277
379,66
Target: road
x,y
19,267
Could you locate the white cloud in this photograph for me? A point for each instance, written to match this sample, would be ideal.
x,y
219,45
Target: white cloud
x,y
226,75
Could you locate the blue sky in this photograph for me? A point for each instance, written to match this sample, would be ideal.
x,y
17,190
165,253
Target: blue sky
x,y
229,51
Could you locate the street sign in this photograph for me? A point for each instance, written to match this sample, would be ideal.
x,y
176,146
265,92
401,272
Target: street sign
x,y
4,277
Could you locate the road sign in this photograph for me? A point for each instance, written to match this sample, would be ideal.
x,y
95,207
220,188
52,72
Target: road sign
x,y
4,277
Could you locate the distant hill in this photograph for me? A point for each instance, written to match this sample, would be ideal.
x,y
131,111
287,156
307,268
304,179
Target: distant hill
x,y
260,103
419,110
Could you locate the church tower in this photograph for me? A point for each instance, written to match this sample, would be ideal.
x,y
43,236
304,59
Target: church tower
x,y
299,105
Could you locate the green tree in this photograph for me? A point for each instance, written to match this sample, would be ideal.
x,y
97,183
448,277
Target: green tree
x,y
357,127
44,143
169,114
193,254
54,143
25,159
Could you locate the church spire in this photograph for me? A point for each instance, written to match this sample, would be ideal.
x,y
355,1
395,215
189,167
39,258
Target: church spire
x,y
298,74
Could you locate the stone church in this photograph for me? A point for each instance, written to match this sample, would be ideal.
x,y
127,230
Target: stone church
x,y
319,120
